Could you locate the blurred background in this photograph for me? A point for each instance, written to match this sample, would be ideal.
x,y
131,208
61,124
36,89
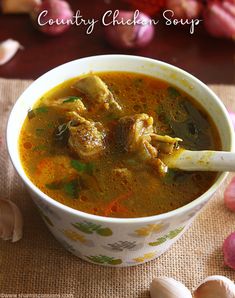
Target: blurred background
x,y
208,55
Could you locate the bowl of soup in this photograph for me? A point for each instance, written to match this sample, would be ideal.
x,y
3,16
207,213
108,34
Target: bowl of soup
x,y
88,139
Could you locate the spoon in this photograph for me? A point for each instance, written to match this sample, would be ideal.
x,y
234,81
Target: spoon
x,y
218,161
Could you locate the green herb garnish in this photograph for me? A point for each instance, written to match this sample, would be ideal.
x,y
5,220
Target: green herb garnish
x,y
39,131
137,82
41,109
82,167
54,185
72,99
33,113
72,188
40,148
172,92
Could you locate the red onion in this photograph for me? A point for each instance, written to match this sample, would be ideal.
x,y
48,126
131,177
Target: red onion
x,y
229,251
232,117
185,9
219,18
130,36
49,14
229,195
150,7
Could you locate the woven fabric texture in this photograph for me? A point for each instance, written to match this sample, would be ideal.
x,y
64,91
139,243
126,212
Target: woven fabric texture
x,y
38,265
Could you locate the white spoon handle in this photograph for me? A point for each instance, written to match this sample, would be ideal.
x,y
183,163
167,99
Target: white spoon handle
x,y
202,161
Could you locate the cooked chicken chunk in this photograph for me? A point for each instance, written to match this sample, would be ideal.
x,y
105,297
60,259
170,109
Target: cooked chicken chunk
x,y
136,134
134,130
86,138
97,92
69,103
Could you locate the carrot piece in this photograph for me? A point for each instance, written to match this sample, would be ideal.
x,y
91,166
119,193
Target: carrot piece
x,y
115,205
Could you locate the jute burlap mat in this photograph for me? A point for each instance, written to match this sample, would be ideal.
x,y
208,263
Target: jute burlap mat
x,y
38,265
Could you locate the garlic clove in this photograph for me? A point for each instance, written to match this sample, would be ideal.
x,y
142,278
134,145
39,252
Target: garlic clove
x,y
166,287
8,49
11,222
215,286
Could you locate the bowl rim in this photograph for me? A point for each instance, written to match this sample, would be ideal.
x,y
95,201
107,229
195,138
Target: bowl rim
x,y
201,200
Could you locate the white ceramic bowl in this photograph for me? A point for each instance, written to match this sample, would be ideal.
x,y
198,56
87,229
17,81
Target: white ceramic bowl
x,y
116,241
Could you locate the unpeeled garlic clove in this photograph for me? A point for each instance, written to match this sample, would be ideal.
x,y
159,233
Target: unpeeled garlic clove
x,y
166,287
8,49
11,222
215,286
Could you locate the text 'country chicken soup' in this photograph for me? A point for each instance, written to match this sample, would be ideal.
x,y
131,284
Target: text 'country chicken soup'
x,y
95,144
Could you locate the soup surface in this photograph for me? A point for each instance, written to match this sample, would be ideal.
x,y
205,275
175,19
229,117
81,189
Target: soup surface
x,y
95,143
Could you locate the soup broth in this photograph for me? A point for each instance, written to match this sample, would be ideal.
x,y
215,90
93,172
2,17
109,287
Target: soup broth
x,y
94,144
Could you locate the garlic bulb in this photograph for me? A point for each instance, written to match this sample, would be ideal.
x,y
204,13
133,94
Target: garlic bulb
x,y
215,287
165,287
8,49
11,221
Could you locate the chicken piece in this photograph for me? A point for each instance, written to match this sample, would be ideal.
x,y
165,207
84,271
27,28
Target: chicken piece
x,y
86,138
132,131
97,92
69,103
164,144
136,134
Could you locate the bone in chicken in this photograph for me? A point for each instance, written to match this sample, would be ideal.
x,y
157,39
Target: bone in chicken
x,y
136,134
97,92
69,103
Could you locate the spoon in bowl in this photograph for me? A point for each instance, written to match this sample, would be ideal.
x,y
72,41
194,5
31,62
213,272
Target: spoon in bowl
x,y
218,161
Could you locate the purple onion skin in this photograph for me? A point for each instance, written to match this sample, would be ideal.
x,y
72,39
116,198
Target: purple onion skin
x,y
129,36
229,251
56,9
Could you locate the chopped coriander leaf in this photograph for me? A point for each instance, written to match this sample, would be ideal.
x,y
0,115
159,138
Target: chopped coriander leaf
x,y
50,125
82,167
54,185
71,99
41,109
40,148
34,112
137,82
39,131
172,92
72,188
77,165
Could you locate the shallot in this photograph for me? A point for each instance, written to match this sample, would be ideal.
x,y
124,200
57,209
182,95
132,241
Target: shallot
x,y
11,222
229,251
219,18
150,7
52,17
8,49
130,36
185,9
229,195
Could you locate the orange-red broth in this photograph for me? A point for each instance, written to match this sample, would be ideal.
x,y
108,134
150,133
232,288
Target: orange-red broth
x,y
92,187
